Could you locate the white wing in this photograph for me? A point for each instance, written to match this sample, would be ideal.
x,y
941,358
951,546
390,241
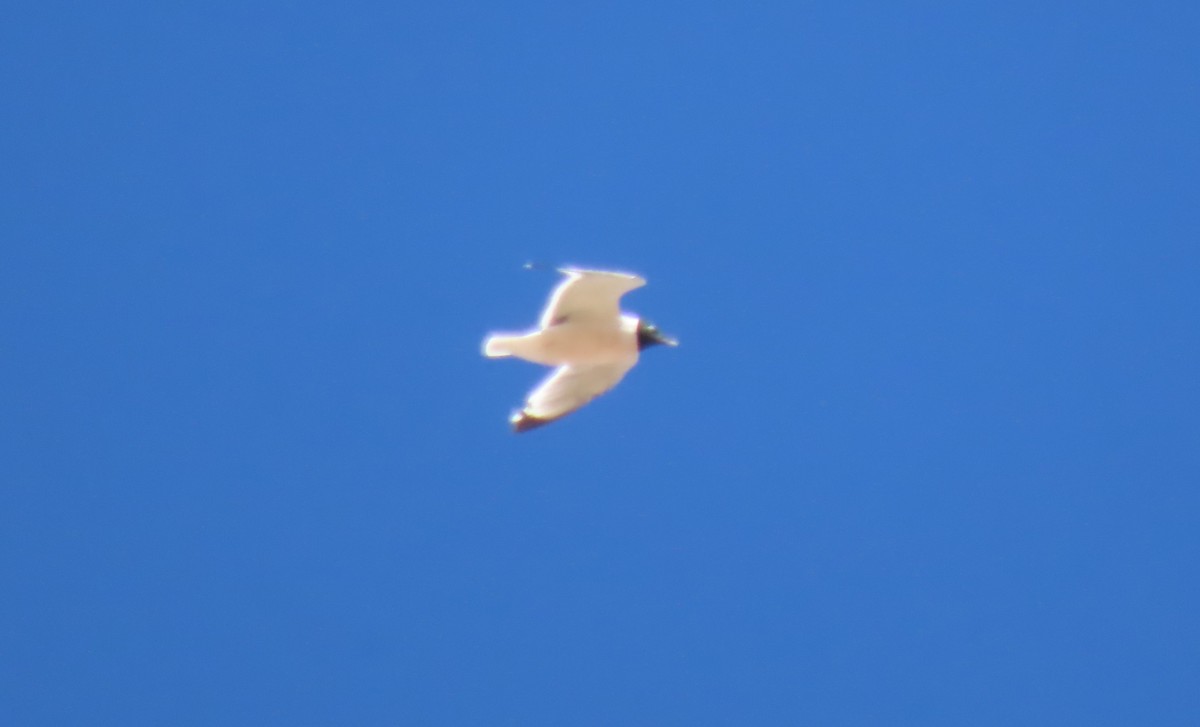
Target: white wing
x,y
588,293
567,389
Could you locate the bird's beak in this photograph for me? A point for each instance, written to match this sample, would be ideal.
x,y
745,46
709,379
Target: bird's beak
x,y
666,340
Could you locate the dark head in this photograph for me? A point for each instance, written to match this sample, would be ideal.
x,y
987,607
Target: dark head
x,y
649,335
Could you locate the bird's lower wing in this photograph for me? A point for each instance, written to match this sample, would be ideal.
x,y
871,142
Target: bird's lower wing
x,y
565,390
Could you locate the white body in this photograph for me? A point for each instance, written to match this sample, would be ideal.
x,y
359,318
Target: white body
x,y
572,342
582,332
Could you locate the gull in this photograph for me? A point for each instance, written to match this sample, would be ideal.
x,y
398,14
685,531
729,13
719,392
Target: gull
x,y
584,334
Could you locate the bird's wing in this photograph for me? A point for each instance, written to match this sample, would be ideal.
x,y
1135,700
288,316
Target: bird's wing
x,y
588,293
567,389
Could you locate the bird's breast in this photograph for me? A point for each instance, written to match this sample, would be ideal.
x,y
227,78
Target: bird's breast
x,y
579,343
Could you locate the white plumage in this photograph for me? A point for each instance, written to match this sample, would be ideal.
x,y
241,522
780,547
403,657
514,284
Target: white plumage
x,y
583,333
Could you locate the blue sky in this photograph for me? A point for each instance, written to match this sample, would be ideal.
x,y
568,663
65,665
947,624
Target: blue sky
x,y
928,453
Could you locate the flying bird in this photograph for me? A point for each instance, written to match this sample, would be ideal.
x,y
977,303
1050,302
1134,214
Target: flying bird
x,y
584,334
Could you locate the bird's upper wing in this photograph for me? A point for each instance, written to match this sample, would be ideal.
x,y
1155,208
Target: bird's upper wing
x,y
588,293
567,389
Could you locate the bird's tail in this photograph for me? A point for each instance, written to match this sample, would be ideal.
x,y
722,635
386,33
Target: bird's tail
x,y
498,346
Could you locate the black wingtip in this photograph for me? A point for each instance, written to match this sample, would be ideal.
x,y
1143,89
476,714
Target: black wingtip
x,y
522,422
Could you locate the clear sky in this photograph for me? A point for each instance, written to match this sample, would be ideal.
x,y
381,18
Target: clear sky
x,y
929,453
